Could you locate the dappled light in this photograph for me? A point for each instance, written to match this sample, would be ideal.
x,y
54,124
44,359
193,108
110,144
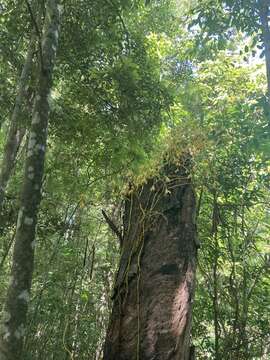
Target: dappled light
x,y
134,180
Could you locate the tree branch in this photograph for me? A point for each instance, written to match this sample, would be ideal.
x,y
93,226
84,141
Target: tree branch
x,y
38,33
113,227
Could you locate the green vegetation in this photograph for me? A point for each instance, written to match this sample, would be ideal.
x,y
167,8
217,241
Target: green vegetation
x,y
135,85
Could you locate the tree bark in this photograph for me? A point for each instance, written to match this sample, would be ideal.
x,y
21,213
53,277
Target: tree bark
x,y
17,126
215,297
264,10
16,305
154,287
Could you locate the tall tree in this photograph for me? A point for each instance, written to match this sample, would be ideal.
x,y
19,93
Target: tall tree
x,y
154,287
16,305
127,76
23,103
17,126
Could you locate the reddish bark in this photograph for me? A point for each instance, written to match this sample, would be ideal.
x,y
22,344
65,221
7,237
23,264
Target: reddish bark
x,y
154,287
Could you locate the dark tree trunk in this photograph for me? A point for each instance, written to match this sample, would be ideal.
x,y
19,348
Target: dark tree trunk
x,y
154,287
13,320
17,124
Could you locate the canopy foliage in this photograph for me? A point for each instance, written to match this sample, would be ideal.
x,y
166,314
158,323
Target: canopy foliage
x,y
137,83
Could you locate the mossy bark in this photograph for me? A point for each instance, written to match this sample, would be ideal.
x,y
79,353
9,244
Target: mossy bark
x,y
15,310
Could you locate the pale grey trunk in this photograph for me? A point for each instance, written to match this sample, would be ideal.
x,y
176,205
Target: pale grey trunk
x,y
17,125
13,320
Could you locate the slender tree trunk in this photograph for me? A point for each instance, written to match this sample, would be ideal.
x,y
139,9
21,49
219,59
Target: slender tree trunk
x,y
17,126
16,305
154,287
215,221
215,301
264,10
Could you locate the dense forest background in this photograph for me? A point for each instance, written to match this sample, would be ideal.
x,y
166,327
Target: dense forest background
x,y
135,85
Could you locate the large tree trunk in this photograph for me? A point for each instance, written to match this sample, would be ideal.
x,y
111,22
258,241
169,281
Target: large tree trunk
x,y
16,305
154,287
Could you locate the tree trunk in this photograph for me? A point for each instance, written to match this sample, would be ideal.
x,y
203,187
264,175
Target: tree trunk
x,y
264,10
17,126
154,287
16,305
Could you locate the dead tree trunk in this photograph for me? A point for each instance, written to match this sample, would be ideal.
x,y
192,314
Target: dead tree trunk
x,y
154,287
